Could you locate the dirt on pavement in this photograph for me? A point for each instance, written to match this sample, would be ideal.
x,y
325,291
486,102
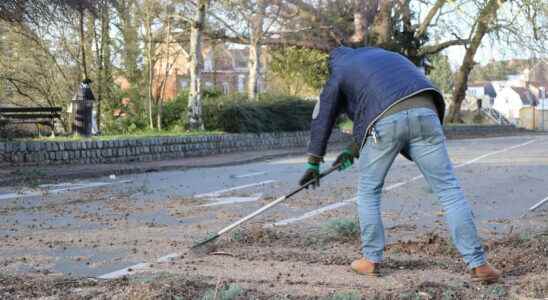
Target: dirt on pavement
x,y
46,240
286,264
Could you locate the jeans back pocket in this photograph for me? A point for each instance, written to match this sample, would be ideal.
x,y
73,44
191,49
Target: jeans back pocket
x,y
431,129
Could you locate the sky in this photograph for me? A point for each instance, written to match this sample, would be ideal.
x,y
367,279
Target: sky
x,y
484,54
487,52
458,19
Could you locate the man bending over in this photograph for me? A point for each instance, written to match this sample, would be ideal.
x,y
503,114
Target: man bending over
x,y
395,109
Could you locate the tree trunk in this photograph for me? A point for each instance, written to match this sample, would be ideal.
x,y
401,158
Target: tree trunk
x,y
83,44
89,38
254,70
360,22
255,51
102,58
149,63
166,75
195,95
487,15
130,50
100,69
421,30
383,24
105,56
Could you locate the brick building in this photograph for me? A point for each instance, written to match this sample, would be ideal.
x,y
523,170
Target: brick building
x,y
225,67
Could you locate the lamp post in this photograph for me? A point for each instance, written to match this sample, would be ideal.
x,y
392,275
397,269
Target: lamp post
x,y
542,100
82,109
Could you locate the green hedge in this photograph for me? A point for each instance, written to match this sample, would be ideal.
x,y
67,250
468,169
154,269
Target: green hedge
x,y
269,114
232,113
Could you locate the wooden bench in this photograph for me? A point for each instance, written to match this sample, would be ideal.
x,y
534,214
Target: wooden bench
x,y
31,115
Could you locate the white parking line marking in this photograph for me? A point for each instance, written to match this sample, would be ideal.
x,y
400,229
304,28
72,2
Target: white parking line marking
x,y
493,153
139,266
233,200
397,185
250,175
56,185
123,272
74,187
541,202
313,213
336,205
220,192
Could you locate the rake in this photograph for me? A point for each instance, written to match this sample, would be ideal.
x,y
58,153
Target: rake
x,y
259,211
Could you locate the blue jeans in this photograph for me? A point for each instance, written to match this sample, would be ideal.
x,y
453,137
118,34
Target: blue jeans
x,y
419,132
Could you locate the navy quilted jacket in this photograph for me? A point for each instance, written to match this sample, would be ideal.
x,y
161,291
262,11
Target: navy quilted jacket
x,y
364,83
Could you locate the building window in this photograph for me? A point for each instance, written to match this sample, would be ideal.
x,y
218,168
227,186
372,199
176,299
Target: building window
x,y
226,88
208,84
208,63
183,83
241,81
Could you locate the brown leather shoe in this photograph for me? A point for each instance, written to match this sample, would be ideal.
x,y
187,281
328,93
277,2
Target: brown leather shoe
x,y
365,267
485,274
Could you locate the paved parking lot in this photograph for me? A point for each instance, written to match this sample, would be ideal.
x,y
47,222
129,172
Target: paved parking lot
x,y
109,227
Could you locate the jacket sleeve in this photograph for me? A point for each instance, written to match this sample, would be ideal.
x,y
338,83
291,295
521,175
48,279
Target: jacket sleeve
x,y
323,118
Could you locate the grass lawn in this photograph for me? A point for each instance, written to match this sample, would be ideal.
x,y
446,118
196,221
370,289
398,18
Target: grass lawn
x,y
136,135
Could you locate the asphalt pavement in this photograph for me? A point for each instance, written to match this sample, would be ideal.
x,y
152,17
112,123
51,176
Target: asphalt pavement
x,y
93,227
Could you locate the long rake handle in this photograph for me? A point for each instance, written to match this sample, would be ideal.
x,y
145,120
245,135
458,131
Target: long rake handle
x,y
274,203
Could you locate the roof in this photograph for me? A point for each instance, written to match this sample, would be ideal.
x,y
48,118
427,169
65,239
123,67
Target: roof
x,y
537,89
539,72
489,90
527,98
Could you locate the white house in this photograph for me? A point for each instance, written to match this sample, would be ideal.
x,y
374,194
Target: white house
x,y
479,95
511,99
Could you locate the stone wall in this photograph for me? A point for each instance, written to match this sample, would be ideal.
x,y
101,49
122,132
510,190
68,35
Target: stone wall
x,y
462,131
163,148
147,149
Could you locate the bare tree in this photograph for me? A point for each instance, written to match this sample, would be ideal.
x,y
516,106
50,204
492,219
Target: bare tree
x,y
148,15
126,10
81,14
168,68
38,75
511,25
39,11
484,21
389,24
195,96
103,56
247,22
256,34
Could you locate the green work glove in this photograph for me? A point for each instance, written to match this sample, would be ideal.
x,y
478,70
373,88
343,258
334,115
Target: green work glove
x,y
312,172
346,158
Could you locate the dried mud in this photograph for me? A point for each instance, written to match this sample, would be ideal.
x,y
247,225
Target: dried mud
x,y
426,268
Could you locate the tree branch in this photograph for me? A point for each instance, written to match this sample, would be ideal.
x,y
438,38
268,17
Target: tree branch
x,y
433,49
428,19
334,32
